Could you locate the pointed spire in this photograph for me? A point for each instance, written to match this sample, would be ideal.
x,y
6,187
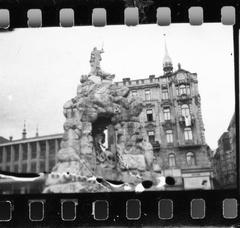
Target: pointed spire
x,y
24,132
37,134
167,61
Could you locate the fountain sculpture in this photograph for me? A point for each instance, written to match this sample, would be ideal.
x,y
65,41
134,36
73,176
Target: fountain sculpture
x,y
99,105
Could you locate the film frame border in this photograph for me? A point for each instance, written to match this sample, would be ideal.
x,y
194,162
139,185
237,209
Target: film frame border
x,y
181,214
83,9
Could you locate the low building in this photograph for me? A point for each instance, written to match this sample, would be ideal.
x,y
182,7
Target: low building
x,y
30,155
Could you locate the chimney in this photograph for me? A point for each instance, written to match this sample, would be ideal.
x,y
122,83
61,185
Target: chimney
x,y
10,138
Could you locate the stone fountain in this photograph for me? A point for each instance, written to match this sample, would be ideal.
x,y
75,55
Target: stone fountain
x,y
99,105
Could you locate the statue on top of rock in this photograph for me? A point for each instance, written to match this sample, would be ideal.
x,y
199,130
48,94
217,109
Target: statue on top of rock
x,y
96,68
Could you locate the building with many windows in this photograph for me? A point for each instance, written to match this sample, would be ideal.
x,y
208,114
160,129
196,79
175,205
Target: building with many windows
x,y
30,155
224,160
172,119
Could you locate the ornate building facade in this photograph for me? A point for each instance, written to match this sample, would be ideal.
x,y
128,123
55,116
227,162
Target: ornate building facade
x,y
224,160
172,119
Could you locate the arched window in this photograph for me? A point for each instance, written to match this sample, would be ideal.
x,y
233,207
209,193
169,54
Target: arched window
x,y
190,159
171,160
185,110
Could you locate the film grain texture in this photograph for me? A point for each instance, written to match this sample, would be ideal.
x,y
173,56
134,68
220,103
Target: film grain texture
x,y
104,114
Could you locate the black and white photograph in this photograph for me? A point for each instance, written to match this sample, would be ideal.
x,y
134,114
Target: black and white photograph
x,y
117,108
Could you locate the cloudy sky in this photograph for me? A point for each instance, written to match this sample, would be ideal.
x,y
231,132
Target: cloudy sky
x,y
40,69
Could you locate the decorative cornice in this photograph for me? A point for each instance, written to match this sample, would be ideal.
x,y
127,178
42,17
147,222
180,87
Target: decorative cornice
x,y
143,86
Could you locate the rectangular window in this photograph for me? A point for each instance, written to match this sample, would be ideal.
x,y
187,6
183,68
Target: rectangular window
x,y
25,152
15,168
42,149
8,151
166,114
42,166
147,95
185,110
149,114
16,152
1,155
33,150
172,160
182,89
7,168
188,134
169,136
24,168
151,136
59,144
52,147
164,94
33,167
188,89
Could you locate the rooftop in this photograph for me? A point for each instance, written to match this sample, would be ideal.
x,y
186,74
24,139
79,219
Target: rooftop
x,y
32,139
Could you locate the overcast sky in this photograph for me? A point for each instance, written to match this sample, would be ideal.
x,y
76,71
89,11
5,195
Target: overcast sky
x,y
40,69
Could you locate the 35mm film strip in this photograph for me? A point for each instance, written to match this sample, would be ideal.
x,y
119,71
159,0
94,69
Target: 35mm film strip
x,y
150,144
66,16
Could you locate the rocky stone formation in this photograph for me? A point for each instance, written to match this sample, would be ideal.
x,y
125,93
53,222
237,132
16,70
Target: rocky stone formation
x,y
82,157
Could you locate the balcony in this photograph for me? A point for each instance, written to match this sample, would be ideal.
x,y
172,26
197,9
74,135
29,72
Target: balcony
x,y
185,122
188,144
167,124
166,102
155,145
184,97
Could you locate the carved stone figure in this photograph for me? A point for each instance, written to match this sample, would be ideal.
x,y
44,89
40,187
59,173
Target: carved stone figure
x,y
96,70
